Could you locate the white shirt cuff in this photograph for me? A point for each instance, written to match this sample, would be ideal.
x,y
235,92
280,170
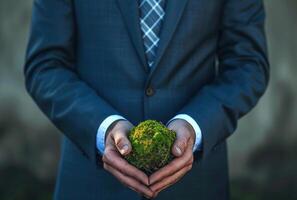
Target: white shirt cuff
x,y
102,131
190,120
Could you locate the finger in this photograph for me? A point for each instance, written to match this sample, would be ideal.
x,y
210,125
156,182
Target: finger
x,y
156,194
181,142
122,142
174,166
163,188
170,180
128,181
112,158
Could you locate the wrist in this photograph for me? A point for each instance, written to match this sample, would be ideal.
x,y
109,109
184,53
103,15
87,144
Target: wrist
x,y
112,126
186,125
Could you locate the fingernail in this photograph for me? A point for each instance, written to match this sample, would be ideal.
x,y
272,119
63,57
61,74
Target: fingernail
x,y
178,151
124,149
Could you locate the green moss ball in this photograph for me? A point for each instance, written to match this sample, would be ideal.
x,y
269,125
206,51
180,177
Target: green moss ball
x,y
151,146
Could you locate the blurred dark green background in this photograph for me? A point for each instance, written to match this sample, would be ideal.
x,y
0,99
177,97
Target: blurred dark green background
x,y
262,152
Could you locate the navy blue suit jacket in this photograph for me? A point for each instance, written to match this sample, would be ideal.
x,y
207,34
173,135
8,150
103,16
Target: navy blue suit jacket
x,y
85,61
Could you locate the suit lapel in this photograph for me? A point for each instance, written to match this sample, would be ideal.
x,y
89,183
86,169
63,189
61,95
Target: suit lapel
x,y
130,13
173,12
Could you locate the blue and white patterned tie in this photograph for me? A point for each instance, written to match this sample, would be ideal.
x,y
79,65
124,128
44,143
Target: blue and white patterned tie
x,y
151,17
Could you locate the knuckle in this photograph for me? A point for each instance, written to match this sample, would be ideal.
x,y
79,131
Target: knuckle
x,y
192,159
119,140
104,158
188,163
189,167
105,166
182,142
108,158
189,156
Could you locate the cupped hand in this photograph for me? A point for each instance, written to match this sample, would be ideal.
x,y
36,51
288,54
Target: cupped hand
x,y
182,163
116,146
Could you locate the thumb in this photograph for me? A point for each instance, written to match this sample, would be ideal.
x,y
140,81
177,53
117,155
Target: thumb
x,y
122,142
179,145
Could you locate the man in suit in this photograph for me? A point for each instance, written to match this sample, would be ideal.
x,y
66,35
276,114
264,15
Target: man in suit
x,y
96,68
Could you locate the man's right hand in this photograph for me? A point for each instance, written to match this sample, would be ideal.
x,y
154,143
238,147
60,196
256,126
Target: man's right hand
x,y
116,146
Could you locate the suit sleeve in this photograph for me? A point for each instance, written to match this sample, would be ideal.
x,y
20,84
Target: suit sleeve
x,y
243,73
51,79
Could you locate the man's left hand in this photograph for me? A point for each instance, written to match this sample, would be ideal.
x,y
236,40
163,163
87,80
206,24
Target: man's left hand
x,y
183,151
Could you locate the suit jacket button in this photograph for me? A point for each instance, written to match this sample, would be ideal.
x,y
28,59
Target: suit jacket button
x,y
150,91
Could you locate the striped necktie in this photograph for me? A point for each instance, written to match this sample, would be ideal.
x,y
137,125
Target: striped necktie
x,y
151,17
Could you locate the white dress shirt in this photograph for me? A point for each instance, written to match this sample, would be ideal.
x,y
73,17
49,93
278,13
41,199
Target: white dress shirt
x,y
110,119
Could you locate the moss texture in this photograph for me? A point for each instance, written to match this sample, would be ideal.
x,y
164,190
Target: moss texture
x,y
151,146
